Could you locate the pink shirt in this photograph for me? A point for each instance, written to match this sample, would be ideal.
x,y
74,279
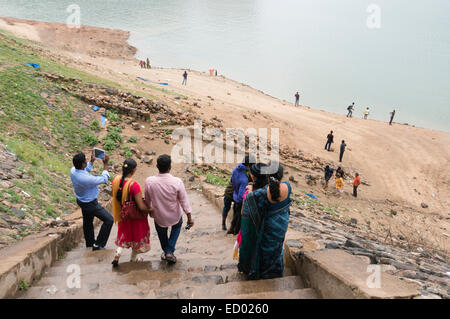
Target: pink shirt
x,y
167,196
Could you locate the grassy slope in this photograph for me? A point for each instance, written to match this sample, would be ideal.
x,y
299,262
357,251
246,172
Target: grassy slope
x,y
43,126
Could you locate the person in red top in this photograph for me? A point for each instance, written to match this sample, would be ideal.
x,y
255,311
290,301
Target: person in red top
x,y
135,233
356,183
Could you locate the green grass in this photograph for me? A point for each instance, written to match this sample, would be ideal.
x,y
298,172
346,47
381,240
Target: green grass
x,y
23,285
132,139
95,126
216,180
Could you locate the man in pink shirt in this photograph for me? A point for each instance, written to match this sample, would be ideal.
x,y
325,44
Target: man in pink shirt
x,y
167,196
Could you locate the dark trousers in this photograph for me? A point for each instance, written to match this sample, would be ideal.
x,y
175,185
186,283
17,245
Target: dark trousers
x,y
226,206
184,81
355,191
89,211
236,222
340,156
328,145
168,243
349,114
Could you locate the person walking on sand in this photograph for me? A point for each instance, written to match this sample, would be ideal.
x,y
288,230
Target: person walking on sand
x,y
356,183
297,99
184,78
342,150
86,190
330,140
131,233
350,109
227,201
167,196
392,117
366,113
328,174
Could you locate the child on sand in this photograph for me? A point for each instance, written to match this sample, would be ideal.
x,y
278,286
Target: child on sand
x,y
366,113
339,185
356,183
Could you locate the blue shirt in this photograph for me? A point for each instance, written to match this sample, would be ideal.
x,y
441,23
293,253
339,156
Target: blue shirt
x,y
85,184
240,181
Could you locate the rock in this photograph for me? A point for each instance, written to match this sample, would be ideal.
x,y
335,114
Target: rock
x,y
6,184
354,221
136,126
351,243
424,205
108,189
292,179
148,160
332,245
294,243
18,213
393,212
192,178
166,141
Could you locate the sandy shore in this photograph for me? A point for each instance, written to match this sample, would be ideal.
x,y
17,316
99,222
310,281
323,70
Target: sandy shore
x,y
404,164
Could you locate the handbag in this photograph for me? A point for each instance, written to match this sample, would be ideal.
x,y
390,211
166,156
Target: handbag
x,y
129,210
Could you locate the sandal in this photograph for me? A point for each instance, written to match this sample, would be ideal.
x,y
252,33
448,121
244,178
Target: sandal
x,y
138,260
115,262
171,258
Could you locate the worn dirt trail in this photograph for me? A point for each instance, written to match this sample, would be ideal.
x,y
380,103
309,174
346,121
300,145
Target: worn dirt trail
x,y
205,269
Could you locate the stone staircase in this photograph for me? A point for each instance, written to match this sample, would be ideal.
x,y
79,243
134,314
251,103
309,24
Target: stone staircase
x,y
204,270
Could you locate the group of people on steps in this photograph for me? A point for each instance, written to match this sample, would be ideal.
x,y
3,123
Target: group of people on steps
x,y
163,198
261,204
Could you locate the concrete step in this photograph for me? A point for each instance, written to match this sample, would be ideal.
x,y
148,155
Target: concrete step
x,y
306,293
246,287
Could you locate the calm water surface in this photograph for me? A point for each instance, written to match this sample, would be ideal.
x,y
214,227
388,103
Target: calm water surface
x,y
322,48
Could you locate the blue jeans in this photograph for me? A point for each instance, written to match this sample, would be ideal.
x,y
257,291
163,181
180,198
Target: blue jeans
x,y
168,243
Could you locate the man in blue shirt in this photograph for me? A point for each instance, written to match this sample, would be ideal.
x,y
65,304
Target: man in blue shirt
x,y
86,191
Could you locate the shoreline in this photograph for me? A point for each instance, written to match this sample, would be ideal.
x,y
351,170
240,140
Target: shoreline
x,y
122,37
402,162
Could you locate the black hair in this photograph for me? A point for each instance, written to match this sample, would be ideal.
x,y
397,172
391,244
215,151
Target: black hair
x,y
249,160
261,179
127,168
163,163
79,160
274,183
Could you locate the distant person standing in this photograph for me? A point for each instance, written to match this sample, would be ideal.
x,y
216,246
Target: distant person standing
x,y
184,78
341,153
366,113
392,117
350,109
328,174
356,183
86,191
148,63
330,140
297,99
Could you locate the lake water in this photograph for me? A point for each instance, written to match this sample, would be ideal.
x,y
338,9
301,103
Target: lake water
x,y
322,48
